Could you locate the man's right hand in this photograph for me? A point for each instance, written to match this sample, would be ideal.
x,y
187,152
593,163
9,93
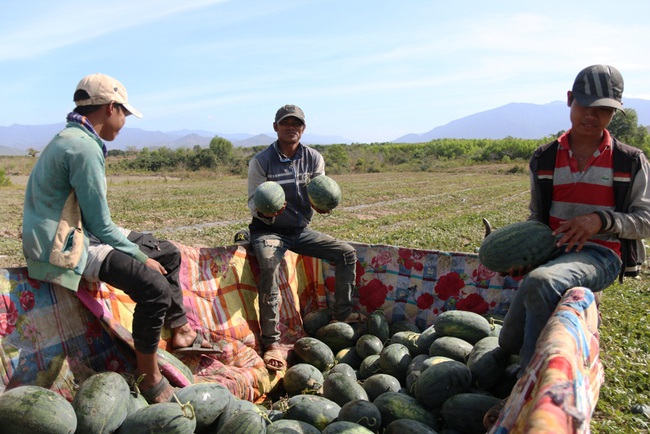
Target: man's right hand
x,y
155,266
270,216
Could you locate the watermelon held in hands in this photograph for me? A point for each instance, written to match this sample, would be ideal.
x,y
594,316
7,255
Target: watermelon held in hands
x,y
324,193
269,197
521,244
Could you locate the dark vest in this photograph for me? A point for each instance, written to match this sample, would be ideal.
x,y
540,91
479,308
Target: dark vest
x,y
625,160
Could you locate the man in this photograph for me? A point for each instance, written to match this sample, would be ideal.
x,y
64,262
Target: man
x,y
68,232
592,190
292,165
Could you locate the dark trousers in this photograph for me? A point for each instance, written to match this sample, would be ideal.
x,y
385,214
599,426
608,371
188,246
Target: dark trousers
x,y
158,297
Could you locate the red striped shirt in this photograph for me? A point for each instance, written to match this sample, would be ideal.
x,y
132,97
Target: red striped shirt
x,y
576,193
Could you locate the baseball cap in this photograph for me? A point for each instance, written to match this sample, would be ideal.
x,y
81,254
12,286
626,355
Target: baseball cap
x,y
599,86
289,110
104,89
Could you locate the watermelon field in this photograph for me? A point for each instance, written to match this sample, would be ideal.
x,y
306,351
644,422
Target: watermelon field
x,y
440,209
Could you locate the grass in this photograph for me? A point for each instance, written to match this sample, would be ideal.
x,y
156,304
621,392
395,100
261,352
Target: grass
x,y
441,209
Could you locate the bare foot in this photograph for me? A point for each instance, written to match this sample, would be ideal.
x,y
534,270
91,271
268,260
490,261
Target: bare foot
x,y
185,335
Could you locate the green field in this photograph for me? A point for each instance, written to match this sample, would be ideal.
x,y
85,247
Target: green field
x,y
440,209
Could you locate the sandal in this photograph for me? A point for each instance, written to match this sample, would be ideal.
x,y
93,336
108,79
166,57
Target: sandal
x,y
353,318
274,360
492,415
197,348
156,390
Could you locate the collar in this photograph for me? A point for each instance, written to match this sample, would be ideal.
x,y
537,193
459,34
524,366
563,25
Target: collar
x,y
283,158
606,142
83,121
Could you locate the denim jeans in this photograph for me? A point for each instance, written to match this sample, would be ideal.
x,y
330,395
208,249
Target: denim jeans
x,y
158,297
594,267
270,247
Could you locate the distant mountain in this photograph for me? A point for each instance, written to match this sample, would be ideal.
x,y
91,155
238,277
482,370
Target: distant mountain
x,y
520,120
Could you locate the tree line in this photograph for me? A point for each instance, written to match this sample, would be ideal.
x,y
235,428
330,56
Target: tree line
x,y
364,158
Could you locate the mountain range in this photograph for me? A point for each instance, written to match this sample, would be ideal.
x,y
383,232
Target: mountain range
x,y
519,120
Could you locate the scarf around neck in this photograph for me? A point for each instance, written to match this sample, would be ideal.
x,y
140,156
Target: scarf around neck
x,y
82,120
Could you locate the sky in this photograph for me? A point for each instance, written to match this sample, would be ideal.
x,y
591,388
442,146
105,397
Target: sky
x,y
364,70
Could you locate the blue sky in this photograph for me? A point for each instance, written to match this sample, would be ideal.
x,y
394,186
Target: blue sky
x,y
365,70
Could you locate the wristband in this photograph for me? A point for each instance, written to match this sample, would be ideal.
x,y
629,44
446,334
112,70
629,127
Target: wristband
x,y
603,220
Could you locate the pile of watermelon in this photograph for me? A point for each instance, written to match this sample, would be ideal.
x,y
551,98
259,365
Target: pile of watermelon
x,y
369,377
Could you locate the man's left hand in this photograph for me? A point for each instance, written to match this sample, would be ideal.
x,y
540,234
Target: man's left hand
x,y
576,231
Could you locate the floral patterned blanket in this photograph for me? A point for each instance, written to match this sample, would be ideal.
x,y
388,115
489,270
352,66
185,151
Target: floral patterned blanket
x,y
56,338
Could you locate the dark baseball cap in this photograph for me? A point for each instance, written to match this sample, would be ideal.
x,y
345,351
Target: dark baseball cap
x,y
289,110
599,86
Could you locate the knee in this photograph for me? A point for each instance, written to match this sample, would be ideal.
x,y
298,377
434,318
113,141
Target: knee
x,y
350,256
540,291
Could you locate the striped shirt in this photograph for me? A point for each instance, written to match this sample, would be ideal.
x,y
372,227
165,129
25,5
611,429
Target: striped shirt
x,y
578,192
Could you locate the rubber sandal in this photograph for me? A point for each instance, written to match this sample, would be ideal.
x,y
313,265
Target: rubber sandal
x,y
156,390
492,415
196,347
274,355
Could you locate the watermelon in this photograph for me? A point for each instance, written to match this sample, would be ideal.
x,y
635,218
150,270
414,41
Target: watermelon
x,y
209,401
410,426
368,345
521,244
343,368
302,378
245,422
452,347
380,383
469,326
165,417
315,352
338,335
349,356
342,389
345,427
316,319
464,412
440,381
324,193
313,409
269,197
369,366
394,360
362,412
36,410
101,403
290,426
395,405
487,362
378,326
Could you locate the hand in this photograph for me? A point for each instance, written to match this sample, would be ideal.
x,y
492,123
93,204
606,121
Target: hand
x,y
517,271
576,231
320,211
155,266
280,211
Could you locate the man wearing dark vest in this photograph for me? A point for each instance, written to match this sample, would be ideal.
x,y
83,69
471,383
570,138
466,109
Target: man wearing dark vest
x,y
592,190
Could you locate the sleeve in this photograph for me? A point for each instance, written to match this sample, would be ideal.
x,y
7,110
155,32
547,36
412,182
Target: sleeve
x,y
87,178
533,205
635,223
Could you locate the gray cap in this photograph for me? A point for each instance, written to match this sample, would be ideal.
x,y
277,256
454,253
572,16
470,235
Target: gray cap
x,y
289,110
599,86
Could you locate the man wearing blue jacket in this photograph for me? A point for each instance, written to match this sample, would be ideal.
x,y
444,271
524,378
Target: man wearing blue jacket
x,y
68,232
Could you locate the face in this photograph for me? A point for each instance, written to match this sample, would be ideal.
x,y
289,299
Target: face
x,y
589,121
115,120
289,130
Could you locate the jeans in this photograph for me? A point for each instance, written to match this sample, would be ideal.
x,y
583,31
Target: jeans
x,y
158,298
270,247
594,267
